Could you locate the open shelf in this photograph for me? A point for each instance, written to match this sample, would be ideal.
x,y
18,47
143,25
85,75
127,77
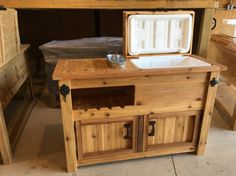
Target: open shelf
x,y
109,97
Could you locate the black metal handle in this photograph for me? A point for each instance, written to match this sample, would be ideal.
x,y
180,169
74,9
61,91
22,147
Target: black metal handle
x,y
214,82
152,132
128,131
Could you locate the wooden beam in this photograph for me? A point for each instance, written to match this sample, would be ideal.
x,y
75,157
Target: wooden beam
x,y
205,32
207,115
68,129
5,149
107,4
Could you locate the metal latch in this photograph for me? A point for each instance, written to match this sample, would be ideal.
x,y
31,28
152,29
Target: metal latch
x,y
64,91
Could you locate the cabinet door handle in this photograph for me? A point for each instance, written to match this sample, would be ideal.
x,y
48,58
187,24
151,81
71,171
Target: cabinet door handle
x,y
128,131
152,132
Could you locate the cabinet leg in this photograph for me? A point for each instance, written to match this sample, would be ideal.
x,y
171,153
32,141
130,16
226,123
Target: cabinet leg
x,y
68,128
5,148
207,115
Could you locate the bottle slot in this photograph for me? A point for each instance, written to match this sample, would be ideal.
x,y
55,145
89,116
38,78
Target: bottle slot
x,y
109,97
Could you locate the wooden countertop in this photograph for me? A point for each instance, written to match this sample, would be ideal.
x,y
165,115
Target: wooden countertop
x,y
225,42
107,4
71,69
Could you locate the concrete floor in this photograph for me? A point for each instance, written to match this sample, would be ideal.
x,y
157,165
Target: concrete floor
x,y
41,153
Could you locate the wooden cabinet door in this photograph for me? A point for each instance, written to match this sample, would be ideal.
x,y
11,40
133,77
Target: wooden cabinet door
x,y
171,129
106,137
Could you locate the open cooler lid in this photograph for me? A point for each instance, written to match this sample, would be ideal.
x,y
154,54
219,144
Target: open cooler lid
x,y
154,33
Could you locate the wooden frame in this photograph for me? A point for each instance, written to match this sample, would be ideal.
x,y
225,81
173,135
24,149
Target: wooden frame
x,y
16,73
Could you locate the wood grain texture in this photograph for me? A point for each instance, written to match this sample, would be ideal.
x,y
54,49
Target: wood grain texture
x,y
224,42
162,150
226,103
68,129
9,36
108,4
12,76
103,136
5,148
205,32
207,115
78,69
222,49
173,97
174,128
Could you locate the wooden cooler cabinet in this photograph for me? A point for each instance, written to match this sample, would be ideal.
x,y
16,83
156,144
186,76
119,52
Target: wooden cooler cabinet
x,y
160,103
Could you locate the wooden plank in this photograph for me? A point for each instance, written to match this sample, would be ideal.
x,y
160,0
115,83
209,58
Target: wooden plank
x,y
179,129
105,113
107,4
196,127
162,150
70,69
9,36
226,103
173,128
102,137
68,128
140,132
166,95
79,140
207,115
185,78
5,149
12,76
169,130
205,32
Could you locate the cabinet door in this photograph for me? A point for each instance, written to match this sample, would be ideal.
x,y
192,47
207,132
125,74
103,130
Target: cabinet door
x,y
105,137
171,129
